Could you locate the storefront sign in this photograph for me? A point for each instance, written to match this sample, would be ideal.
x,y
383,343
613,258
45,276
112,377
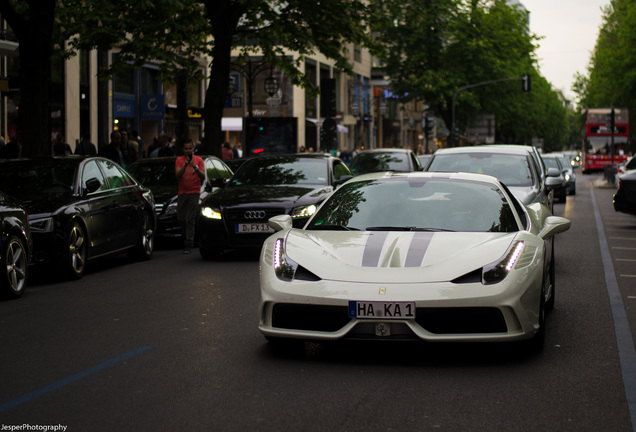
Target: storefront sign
x,y
124,109
152,107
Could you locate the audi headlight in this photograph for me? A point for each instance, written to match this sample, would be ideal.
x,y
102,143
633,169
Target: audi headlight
x,y
211,213
304,211
42,225
497,271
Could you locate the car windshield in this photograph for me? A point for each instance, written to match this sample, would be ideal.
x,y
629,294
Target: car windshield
x,y
32,178
154,174
421,204
277,171
551,162
510,169
378,161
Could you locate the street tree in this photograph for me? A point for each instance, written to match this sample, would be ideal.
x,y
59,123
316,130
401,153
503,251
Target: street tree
x,y
32,21
270,30
435,47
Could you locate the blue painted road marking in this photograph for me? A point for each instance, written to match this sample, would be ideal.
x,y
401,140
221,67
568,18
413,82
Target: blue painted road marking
x,y
76,377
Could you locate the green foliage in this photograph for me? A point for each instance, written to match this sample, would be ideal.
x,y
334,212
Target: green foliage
x,y
434,47
611,78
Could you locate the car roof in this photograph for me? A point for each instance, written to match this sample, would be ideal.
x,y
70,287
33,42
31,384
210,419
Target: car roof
x,y
463,176
385,150
502,149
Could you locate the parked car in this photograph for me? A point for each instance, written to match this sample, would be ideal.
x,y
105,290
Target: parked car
x,y
80,208
552,161
520,168
236,215
629,165
384,159
625,196
568,172
15,248
158,174
462,260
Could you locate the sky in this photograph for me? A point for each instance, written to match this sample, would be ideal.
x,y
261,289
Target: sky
x,y
570,29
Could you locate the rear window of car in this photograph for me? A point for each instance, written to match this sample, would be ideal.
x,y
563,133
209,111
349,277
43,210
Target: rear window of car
x,y
513,170
377,161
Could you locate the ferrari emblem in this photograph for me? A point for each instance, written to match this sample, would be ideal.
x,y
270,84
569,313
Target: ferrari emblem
x,y
382,290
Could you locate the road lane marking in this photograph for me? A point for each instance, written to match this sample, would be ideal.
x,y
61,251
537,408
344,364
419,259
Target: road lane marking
x,y
624,340
72,378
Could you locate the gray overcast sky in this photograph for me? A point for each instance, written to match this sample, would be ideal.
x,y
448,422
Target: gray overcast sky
x,y
570,29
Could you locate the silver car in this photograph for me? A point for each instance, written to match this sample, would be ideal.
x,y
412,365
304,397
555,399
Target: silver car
x,y
518,167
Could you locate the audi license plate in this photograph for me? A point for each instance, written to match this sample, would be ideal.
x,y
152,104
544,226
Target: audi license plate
x,y
384,310
253,228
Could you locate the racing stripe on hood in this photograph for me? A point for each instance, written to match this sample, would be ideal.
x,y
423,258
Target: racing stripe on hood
x,y
373,249
418,248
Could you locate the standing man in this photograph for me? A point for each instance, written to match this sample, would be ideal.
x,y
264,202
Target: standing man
x,y
189,170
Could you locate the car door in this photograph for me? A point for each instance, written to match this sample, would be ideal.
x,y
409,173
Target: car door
x,y
97,204
124,200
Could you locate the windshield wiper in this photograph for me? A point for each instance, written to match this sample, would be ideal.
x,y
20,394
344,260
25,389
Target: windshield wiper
x,y
334,228
405,228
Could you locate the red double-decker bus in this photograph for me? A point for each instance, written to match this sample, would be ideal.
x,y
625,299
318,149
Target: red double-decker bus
x,y
597,149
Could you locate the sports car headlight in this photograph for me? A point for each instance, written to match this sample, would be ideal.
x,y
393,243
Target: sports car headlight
x,y
283,266
287,269
42,225
497,271
303,211
211,213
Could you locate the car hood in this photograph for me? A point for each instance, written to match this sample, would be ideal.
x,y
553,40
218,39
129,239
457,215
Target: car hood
x,y
287,196
164,194
395,257
46,204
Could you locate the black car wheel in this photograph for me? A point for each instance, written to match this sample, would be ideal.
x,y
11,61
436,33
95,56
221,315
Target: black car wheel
x,y
15,268
146,244
76,251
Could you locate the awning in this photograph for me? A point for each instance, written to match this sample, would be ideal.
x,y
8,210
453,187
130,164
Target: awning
x,y
232,123
319,123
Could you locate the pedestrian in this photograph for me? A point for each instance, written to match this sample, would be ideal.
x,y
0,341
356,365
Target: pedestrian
x,y
166,148
190,172
85,146
129,152
226,151
60,148
13,149
113,150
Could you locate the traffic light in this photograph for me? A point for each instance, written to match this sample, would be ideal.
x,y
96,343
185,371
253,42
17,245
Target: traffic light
x,y
525,80
328,134
328,97
429,124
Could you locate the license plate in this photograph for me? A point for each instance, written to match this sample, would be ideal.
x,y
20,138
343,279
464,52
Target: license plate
x,y
383,310
253,228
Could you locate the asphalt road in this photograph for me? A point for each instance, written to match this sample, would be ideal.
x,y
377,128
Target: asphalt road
x,y
172,345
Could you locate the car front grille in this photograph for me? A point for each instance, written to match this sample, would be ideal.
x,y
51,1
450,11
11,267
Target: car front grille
x,y
256,215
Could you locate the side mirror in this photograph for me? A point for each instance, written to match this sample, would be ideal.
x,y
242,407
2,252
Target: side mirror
x,y
342,180
92,185
554,225
280,222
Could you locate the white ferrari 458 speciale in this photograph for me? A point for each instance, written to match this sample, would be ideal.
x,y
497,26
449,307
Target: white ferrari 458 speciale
x,y
412,256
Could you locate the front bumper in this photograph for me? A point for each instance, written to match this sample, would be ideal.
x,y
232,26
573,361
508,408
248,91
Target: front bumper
x,y
445,312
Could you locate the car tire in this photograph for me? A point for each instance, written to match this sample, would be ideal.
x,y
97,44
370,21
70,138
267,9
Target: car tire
x,y
15,269
146,243
76,246
536,344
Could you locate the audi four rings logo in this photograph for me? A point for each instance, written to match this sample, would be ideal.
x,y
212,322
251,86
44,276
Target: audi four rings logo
x,y
254,214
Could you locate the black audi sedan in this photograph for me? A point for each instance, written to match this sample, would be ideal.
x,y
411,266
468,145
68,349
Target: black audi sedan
x,y
80,208
15,248
235,216
158,174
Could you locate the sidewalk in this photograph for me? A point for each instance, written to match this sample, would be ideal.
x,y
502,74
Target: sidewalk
x,y
603,184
